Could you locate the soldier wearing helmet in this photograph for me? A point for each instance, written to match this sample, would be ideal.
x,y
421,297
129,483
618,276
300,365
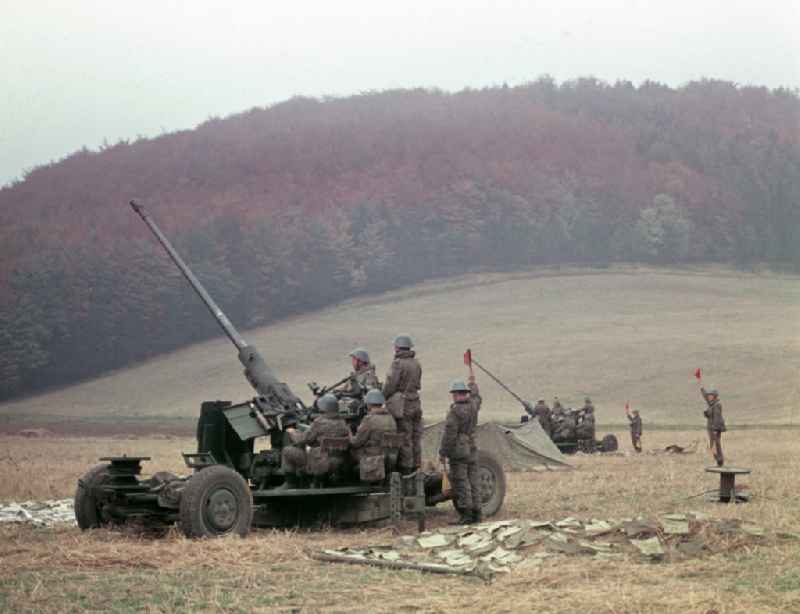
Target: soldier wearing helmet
x,y
458,448
636,427
363,377
303,456
368,440
401,391
715,423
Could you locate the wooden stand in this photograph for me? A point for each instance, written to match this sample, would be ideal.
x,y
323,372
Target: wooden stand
x,y
727,482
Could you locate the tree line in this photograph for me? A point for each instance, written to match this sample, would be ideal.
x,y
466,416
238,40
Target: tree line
x,y
293,207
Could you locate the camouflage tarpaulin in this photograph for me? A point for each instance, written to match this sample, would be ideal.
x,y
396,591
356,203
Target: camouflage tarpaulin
x,y
518,447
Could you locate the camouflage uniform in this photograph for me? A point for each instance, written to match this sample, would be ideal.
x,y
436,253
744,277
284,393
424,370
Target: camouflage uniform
x,y
636,431
368,439
586,425
401,390
295,459
458,446
542,412
363,380
715,424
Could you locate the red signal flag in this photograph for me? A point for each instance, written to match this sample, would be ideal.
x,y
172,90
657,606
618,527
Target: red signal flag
x,y
468,358
697,373
627,406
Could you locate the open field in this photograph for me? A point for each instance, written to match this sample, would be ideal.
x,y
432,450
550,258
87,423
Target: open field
x,y
625,333
55,570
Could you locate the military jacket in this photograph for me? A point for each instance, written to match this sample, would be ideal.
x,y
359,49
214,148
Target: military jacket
x,y
323,426
636,425
369,435
458,439
714,419
405,375
362,380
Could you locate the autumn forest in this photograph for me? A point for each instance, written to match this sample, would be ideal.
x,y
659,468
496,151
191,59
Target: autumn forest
x,y
296,206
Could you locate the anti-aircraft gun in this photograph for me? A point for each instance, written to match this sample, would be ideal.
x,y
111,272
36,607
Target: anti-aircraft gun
x,y
232,486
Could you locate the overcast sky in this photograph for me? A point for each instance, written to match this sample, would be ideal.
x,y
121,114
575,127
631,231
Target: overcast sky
x,y
76,72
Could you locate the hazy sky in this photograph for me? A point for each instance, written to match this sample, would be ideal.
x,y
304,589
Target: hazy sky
x,y
75,72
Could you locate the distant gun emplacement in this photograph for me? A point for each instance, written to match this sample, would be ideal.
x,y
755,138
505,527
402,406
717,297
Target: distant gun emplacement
x,y
233,486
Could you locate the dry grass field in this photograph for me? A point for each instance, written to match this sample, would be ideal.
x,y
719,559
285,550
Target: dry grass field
x,y
618,334
61,570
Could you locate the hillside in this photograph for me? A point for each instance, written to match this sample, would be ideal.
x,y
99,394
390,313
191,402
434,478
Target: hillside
x,y
618,334
301,205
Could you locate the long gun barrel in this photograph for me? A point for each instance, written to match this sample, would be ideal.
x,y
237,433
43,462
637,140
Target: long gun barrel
x,y
255,369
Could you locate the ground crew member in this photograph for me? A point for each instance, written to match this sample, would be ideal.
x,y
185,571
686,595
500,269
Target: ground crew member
x,y
458,449
715,423
636,428
401,391
296,461
363,376
368,440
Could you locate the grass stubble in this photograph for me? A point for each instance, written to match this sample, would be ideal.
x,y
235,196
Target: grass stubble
x,y
62,569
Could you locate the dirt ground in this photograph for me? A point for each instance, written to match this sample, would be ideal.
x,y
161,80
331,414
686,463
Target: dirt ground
x,y
56,570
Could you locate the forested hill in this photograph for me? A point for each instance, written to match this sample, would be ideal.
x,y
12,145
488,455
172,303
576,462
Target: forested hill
x,y
299,205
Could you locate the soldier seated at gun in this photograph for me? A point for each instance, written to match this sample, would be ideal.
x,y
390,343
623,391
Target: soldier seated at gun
x,y
298,462
368,446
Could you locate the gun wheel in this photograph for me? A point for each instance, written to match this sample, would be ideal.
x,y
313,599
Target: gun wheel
x,y
87,511
216,501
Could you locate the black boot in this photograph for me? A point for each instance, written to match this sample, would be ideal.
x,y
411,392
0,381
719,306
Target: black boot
x,y
464,517
476,516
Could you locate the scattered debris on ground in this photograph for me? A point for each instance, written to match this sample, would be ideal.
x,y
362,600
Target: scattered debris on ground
x,y
491,548
39,513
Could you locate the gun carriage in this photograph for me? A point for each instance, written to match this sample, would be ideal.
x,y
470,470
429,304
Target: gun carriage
x,y
232,486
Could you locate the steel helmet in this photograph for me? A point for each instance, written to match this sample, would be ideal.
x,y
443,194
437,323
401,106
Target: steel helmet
x,y
374,397
403,342
713,391
328,404
360,354
458,385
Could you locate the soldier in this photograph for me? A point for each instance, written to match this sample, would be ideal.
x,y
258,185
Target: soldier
x,y
636,428
542,412
401,391
368,440
715,423
459,449
586,425
363,375
295,461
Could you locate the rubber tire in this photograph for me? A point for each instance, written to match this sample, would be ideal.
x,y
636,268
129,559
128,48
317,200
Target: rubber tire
x,y
609,443
86,512
192,518
488,462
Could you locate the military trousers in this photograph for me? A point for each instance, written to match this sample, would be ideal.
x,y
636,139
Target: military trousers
x,y
410,427
293,460
465,484
715,445
636,440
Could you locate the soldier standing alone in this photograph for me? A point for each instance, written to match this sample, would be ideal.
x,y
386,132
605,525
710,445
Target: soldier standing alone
x,y
636,428
715,423
401,390
459,449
